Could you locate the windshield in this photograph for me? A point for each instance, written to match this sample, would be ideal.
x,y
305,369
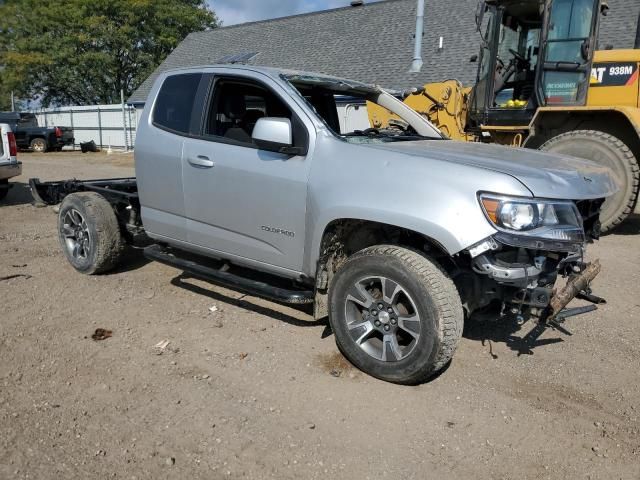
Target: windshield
x,y
346,107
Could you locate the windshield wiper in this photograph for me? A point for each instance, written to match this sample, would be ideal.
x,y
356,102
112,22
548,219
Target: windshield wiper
x,y
410,137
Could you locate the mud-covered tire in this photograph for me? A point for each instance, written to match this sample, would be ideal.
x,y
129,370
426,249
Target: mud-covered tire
x,y
427,287
38,145
87,222
611,152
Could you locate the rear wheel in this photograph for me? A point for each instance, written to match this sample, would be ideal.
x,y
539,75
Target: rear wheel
x,y
611,152
38,145
89,233
395,314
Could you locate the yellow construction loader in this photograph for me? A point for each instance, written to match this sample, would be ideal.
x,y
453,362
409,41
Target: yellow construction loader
x,y
542,85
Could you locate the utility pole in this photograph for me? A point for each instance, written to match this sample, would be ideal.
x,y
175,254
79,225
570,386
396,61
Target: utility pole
x,y
13,102
124,122
416,64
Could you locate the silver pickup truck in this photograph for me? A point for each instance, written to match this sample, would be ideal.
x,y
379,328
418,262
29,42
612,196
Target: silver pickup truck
x,y
9,165
244,177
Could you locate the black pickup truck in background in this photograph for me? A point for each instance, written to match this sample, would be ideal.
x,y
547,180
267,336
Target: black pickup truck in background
x,y
29,135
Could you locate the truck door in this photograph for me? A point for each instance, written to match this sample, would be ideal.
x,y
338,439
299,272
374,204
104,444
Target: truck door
x,y
242,201
159,144
568,42
482,93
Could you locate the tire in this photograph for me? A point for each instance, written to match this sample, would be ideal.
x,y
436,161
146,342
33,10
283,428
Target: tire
x,y
611,152
424,301
89,233
38,145
4,189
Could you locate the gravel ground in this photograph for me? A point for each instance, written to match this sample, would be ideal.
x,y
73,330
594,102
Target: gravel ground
x,y
253,389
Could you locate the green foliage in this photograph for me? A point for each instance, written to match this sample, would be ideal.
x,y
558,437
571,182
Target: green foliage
x,y
84,51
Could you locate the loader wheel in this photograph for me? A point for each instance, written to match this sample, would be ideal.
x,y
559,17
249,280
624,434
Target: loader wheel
x,y
396,315
38,145
610,152
89,233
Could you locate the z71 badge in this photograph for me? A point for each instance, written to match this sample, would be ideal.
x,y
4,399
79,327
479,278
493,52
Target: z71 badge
x,y
613,74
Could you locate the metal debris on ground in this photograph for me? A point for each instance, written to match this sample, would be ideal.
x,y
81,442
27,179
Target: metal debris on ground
x,y
101,334
163,346
160,347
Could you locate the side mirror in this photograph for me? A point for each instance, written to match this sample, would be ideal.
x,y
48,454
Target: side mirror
x,y
474,58
273,133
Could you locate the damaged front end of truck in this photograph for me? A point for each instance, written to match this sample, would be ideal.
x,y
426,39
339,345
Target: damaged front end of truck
x,y
535,264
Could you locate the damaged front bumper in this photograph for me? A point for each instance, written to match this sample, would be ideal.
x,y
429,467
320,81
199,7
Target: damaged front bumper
x,y
525,280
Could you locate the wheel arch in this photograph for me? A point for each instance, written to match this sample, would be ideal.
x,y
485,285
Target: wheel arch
x,y
342,237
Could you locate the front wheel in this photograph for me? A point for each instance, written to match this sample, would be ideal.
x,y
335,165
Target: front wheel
x,y
395,313
89,233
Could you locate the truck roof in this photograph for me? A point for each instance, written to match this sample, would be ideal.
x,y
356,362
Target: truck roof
x,y
275,73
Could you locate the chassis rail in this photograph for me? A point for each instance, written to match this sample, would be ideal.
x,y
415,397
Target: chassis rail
x,y
121,193
115,190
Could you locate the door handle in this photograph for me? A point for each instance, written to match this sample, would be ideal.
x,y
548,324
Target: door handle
x,y
201,161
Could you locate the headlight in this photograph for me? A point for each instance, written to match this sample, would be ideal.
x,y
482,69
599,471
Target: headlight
x,y
542,219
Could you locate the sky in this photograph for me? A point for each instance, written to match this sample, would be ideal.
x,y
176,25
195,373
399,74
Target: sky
x,y
240,11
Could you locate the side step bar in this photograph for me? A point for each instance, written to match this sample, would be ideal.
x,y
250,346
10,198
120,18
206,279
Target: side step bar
x,y
253,287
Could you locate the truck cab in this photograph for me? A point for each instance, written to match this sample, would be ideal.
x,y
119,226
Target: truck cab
x,y
534,53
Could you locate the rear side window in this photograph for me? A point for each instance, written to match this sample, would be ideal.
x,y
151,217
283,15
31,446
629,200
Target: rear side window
x,y
174,104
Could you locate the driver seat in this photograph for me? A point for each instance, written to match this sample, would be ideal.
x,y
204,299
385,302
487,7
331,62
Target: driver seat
x,y
235,109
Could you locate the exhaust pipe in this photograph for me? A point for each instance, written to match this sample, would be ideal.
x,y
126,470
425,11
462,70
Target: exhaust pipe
x,y
416,64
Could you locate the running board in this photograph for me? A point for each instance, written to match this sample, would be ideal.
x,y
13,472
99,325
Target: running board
x,y
237,282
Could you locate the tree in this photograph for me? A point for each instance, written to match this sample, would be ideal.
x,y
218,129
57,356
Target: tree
x,y
65,52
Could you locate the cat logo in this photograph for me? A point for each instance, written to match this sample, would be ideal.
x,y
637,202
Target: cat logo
x,y
614,74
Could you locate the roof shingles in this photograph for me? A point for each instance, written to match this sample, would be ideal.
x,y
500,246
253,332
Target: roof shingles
x,y
371,43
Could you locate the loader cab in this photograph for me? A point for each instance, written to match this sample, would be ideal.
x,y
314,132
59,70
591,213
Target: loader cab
x,y
534,53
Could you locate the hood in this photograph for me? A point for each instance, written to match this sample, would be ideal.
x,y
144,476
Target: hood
x,y
545,175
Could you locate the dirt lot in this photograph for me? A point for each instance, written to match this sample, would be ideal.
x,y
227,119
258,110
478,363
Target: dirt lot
x,y
255,390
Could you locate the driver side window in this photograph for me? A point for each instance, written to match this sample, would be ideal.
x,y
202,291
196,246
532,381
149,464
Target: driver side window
x,y
235,108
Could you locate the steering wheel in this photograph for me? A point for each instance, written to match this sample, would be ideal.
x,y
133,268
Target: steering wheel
x,y
519,57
